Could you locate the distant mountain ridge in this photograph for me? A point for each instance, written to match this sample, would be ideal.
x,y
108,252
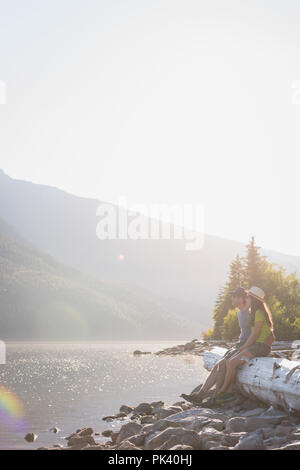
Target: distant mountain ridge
x,y
63,225
42,299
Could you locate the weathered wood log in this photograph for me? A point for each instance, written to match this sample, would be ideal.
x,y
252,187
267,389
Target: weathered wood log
x,y
273,381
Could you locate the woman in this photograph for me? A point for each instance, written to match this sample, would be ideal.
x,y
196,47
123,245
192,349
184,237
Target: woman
x,y
258,344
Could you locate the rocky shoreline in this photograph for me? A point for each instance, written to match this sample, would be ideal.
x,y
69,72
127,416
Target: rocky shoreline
x,y
243,424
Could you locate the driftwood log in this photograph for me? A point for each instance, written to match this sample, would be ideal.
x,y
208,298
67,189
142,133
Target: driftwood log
x,y
272,381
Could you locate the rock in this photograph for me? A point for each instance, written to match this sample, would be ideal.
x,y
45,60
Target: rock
x,y
212,434
171,442
185,436
209,444
160,425
254,412
126,445
126,409
189,346
275,441
128,430
231,440
155,404
55,430
30,437
251,441
121,415
198,412
78,442
85,432
291,446
138,440
148,419
107,433
181,447
164,412
139,353
109,418
240,424
219,448
143,408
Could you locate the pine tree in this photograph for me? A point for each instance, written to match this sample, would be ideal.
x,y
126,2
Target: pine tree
x,y
255,266
223,303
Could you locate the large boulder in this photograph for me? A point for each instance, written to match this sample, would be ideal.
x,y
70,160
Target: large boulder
x,y
251,441
143,408
185,436
128,430
241,424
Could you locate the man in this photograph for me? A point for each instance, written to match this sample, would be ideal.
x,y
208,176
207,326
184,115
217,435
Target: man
x,y
240,300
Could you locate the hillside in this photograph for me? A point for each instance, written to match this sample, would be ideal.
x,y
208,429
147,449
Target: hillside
x,y
63,225
42,299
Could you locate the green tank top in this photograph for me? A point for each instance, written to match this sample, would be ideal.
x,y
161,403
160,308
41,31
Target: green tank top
x,y
265,329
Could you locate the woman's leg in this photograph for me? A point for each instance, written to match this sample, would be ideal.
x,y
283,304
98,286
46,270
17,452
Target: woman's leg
x,y
231,368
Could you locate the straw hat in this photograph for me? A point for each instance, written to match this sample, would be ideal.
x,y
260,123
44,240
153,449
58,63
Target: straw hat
x,y
257,293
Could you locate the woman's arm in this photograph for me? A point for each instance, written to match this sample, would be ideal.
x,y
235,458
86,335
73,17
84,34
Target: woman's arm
x,y
254,335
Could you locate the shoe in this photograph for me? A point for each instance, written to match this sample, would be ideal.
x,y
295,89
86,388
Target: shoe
x,y
223,397
211,403
192,398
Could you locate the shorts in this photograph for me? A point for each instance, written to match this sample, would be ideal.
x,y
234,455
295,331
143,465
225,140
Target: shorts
x,y
259,349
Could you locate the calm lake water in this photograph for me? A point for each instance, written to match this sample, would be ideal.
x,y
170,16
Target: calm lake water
x,y
75,385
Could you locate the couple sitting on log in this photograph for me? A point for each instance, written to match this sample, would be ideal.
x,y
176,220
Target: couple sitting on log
x,y
256,338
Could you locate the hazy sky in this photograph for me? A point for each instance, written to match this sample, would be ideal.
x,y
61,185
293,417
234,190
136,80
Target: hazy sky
x,y
165,101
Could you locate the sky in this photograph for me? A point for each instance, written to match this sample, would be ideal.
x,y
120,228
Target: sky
x,y
172,102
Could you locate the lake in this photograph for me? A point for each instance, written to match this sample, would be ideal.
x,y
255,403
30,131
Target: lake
x,y
72,385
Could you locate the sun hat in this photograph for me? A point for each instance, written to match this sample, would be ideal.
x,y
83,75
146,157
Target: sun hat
x,y
257,293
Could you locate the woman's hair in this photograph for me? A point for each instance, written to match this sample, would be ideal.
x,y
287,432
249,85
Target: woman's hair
x,y
257,304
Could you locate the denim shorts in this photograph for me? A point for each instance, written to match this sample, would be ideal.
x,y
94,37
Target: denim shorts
x,y
259,349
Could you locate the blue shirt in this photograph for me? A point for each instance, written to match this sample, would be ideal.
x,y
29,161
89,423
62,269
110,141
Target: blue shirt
x,y
244,323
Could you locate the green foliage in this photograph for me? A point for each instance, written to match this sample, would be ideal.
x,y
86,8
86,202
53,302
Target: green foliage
x,y
282,295
230,328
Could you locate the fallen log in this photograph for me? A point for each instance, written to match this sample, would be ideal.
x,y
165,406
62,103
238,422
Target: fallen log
x,y
273,381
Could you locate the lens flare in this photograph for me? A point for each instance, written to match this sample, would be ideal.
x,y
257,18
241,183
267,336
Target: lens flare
x,y
11,409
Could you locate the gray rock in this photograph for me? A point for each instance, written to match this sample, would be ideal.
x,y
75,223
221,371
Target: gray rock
x,y
128,430
143,408
181,447
126,409
138,440
85,432
30,437
148,419
186,437
198,412
291,446
107,433
126,445
164,412
78,442
251,441
255,412
210,434
231,440
240,424
160,425
219,448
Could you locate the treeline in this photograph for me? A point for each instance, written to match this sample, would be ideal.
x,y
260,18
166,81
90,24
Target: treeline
x,y
282,295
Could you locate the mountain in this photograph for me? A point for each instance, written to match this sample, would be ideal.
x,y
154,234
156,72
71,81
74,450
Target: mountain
x,y
184,282
42,299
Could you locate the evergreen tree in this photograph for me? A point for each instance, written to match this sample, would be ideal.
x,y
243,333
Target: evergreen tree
x,y
255,265
223,303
